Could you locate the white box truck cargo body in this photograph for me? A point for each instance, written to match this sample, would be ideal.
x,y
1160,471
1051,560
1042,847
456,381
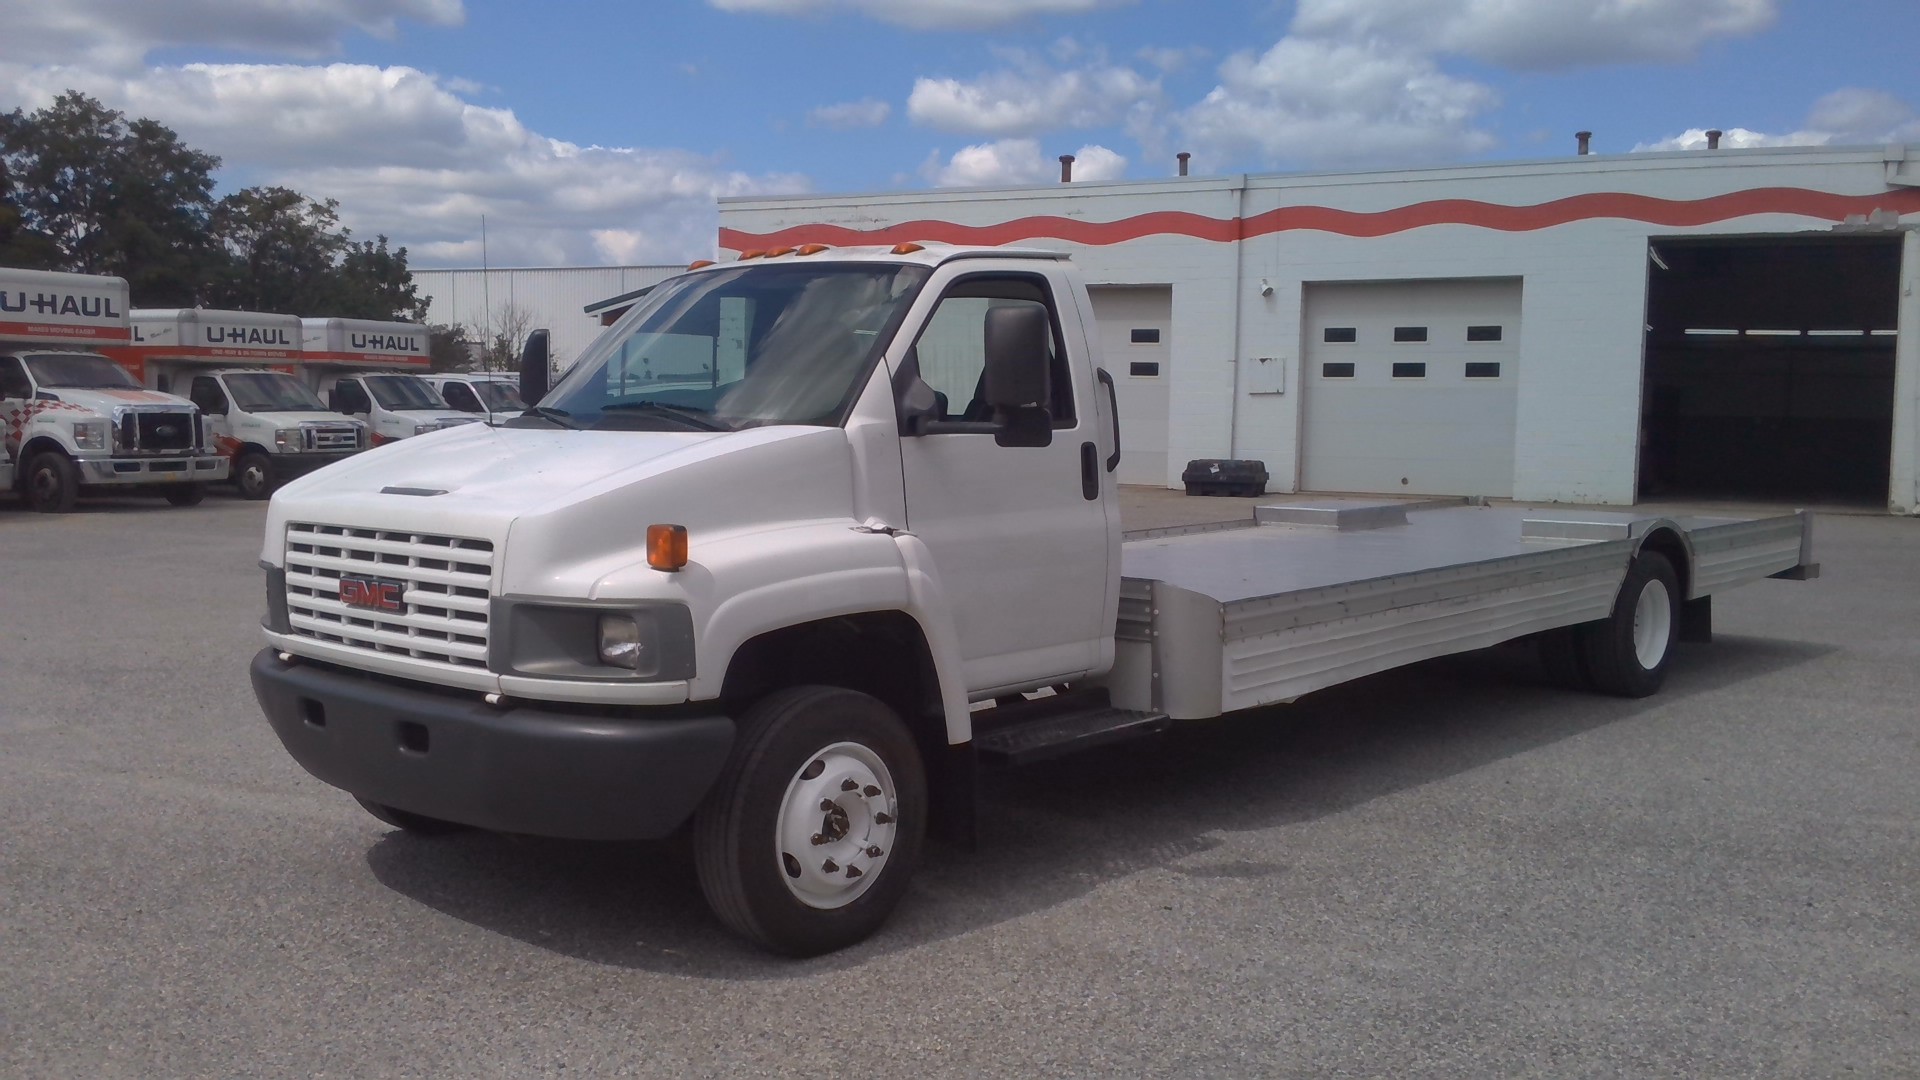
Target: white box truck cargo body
x,y
74,420
796,602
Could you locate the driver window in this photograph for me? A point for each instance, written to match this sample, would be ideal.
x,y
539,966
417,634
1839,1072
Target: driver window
x,y
460,396
208,396
13,379
952,354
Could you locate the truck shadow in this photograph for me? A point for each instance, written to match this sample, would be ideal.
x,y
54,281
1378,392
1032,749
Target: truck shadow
x,y
1054,832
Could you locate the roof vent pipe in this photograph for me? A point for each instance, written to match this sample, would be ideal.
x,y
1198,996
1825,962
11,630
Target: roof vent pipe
x,y
1184,158
1713,138
1066,168
1586,140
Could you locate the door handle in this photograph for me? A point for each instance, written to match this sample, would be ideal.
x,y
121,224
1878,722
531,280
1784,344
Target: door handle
x,y
1113,403
1089,471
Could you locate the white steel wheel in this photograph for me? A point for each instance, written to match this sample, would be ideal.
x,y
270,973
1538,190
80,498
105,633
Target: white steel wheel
x,y
836,825
1627,653
1652,624
813,829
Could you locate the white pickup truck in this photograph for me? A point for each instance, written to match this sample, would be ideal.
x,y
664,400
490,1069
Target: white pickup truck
x,y
792,604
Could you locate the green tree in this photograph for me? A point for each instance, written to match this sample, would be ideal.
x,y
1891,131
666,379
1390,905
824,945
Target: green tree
x,y
111,196
373,282
282,251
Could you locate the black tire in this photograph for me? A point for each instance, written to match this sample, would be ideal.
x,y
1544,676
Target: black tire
x,y
740,856
184,494
408,821
1609,648
51,482
1560,655
253,475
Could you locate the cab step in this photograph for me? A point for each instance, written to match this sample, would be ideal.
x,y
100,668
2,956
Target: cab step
x,y
1058,734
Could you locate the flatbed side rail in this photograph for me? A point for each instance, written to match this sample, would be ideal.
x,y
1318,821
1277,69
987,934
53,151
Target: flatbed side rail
x,y
1726,554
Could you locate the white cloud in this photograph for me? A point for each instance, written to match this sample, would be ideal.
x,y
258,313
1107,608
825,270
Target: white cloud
x,y
1539,34
118,33
409,157
1335,103
1847,117
1012,162
1031,97
1173,59
924,14
865,113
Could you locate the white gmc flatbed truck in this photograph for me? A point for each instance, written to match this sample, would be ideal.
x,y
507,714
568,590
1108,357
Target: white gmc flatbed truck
x,y
792,604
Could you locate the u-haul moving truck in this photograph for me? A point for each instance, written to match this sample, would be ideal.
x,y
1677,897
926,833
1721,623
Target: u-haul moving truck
x,y
74,419
372,371
237,367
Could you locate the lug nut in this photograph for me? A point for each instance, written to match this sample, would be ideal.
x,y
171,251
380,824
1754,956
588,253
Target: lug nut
x,y
818,840
874,852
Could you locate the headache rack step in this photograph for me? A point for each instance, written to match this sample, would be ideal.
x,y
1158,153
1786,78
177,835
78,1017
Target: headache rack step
x,y
1027,741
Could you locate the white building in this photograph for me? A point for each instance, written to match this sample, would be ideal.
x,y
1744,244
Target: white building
x,y
550,297
1730,323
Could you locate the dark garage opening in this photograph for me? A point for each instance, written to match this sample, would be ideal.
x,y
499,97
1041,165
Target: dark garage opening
x,y
1769,368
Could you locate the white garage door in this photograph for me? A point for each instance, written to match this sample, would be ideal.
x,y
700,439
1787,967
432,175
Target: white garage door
x,y
1410,387
1136,322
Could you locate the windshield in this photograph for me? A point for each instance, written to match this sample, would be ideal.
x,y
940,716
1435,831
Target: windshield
x,y
404,393
79,371
499,396
744,346
272,392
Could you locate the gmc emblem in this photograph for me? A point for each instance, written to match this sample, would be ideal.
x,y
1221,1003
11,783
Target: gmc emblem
x,y
375,593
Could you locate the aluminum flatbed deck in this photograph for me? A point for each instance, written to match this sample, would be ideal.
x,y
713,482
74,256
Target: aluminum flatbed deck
x,y
1307,595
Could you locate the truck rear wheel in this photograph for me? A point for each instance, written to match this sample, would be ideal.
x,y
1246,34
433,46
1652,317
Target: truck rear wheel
x,y
51,483
407,820
253,475
1627,652
809,837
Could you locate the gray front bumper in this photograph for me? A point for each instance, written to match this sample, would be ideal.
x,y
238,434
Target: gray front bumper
x,y
155,469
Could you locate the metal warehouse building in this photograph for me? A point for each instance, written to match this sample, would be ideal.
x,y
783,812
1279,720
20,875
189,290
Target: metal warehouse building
x,y
548,296
1714,324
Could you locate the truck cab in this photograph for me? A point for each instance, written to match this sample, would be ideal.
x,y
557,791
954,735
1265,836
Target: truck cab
x,y
493,397
394,405
270,426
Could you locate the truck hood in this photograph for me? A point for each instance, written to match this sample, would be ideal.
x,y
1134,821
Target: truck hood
x,y
103,400
571,497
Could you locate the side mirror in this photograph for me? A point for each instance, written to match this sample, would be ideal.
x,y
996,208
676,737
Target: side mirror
x,y
534,358
1018,384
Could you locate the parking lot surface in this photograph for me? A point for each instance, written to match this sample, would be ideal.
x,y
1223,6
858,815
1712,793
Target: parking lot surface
x,y
1451,870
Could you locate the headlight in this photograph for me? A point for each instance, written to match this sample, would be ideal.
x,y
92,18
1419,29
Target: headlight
x,y
91,434
622,644
360,437
287,440
422,429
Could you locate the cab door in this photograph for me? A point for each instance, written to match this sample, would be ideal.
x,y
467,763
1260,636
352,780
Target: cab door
x,y
1019,533
211,398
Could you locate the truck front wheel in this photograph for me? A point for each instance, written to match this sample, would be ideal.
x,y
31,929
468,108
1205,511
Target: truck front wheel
x,y
809,837
184,494
51,483
253,475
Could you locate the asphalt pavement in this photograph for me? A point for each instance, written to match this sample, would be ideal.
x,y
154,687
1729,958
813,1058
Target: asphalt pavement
x,y
1452,870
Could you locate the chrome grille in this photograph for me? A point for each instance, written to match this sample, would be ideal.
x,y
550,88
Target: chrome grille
x,y
444,588
335,437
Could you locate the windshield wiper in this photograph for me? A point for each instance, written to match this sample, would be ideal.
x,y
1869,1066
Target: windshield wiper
x,y
692,417
553,416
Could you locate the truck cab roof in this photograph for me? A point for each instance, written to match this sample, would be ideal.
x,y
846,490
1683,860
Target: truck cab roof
x,y
922,253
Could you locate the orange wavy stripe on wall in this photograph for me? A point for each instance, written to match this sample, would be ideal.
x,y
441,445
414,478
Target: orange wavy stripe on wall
x,y
1672,213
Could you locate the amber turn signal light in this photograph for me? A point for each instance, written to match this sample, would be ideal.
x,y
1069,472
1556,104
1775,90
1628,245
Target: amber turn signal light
x,y
666,546
811,249
699,264
907,249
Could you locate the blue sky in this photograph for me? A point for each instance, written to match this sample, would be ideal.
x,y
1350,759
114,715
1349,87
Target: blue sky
x,y
599,132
